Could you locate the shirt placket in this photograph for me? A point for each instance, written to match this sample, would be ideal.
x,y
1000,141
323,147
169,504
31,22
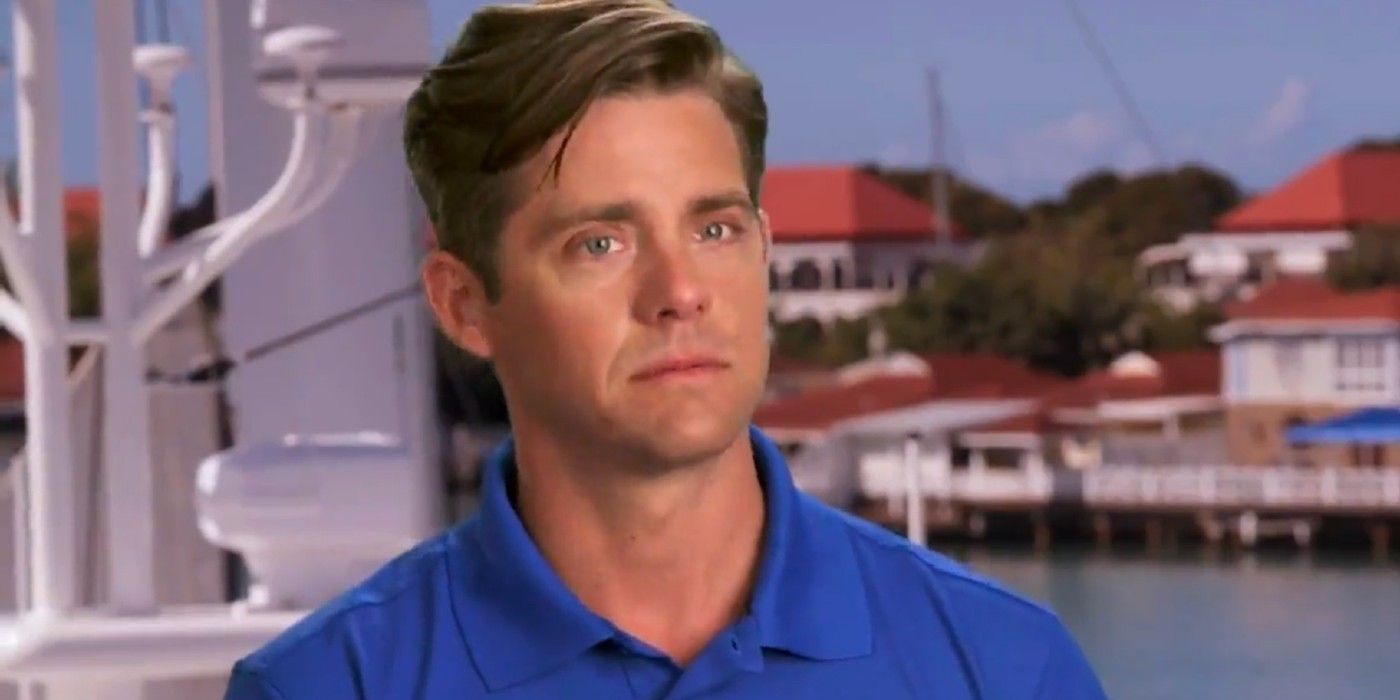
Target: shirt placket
x,y
734,651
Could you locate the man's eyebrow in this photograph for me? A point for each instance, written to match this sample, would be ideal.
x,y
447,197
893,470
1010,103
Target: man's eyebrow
x,y
723,200
556,221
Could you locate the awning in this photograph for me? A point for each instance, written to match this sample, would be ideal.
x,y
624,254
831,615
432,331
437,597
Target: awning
x,y
1375,425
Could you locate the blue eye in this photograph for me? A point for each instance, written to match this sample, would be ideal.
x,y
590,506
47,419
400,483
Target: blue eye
x,y
592,249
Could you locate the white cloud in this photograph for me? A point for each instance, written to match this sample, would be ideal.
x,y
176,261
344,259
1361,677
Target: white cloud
x,y
1042,160
1285,114
1085,130
1064,149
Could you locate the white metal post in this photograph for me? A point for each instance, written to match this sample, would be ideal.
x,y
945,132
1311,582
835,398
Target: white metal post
x,y
128,488
126,450
50,499
38,264
914,492
105,654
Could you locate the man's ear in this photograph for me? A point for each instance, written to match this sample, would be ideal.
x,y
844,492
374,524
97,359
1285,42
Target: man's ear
x,y
767,230
458,300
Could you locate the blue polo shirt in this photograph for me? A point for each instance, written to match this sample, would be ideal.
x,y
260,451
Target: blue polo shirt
x,y
840,609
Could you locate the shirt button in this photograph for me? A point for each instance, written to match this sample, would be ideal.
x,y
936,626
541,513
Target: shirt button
x,y
734,643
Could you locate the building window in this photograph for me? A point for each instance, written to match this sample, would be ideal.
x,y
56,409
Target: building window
x,y
838,275
921,274
864,279
1360,365
806,275
1288,360
1235,369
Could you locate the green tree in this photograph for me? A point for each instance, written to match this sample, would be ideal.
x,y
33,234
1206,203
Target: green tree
x,y
1064,307
1057,287
836,343
844,341
801,338
1161,328
1372,260
1377,144
84,282
1090,190
1131,214
979,211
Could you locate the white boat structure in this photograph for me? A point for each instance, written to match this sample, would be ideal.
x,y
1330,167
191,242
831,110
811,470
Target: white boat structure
x,y
335,464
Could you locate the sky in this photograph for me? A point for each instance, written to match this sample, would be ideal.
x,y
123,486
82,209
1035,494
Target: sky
x,y
1256,88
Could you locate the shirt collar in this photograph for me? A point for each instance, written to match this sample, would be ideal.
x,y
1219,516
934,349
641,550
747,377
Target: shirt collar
x,y
809,598
520,620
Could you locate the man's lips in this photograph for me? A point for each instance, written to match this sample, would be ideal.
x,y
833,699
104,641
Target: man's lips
x,y
680,366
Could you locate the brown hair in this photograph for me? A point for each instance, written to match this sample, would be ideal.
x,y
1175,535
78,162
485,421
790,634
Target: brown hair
x,y
518,74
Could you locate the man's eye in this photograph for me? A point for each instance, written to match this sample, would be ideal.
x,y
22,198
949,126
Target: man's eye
x,y
598,245
715,230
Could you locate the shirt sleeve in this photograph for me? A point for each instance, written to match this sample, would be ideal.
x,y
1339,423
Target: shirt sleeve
x,y
245,684
1068,675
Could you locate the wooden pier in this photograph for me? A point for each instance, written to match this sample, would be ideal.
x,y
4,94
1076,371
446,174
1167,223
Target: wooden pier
x,y
1224,504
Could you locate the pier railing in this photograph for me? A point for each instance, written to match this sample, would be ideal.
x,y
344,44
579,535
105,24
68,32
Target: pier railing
x,y
1147,487
1231,486
882,476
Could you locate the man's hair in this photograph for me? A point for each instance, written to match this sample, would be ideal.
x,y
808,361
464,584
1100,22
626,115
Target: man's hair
x,y
518,74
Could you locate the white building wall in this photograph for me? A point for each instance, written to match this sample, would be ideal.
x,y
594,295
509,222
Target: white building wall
x,y
1257,370
872,274
1222,264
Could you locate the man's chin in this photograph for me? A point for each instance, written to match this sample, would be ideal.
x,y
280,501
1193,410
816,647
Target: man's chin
x,y
683,443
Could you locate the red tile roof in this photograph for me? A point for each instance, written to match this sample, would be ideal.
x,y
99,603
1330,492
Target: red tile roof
x,y
1309,299
82,211
1342,191
839,203
11,370
1036,421
983,375
956,376
951,376
820,407
1190,372
786,364
1180,373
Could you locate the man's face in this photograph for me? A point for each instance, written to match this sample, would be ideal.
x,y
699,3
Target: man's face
x,y
646,249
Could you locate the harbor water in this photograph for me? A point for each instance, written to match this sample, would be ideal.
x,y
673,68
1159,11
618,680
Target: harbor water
x,y
1201,623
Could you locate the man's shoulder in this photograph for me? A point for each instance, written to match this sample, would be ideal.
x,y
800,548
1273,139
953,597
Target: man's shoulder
x,y
895,560
393,610
1009,639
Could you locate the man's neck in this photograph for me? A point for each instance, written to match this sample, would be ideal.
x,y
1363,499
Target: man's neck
x,y
670,556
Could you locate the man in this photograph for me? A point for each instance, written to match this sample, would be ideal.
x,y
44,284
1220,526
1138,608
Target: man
x,y
592,168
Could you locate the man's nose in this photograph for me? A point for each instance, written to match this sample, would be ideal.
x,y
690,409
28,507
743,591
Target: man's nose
x,y
673,285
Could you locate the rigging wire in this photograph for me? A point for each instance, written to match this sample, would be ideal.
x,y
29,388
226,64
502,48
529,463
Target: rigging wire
x,y
1115,78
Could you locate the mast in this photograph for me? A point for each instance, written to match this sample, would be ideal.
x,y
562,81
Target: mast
x,y
938,166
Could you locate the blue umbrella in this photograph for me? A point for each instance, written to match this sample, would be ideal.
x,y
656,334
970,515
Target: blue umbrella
x,y
1374,425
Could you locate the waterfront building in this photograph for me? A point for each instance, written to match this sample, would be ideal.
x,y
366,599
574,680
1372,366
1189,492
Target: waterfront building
x,y
1301,352
1294,229
846,242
